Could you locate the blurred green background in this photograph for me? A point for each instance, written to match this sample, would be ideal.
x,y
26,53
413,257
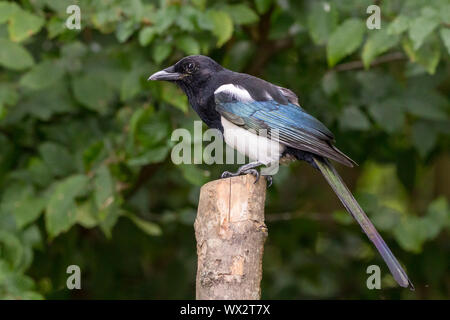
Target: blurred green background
x,y
85,170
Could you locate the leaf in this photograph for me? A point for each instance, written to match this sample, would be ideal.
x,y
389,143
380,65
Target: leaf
x,y
43,104
146,36
148,128
12,249
399,25
57,158
187,18
161,51
420,28
42,75
134,10
93,92
39,172
21,202
106,200
194,175
7,10
188,45
410,234
124,30
282,25
165,18
174,97
61,212
150,228
15,285
437,218
85,213
104,188
388,114
131,85
379,42
23,25
241,14
345,40
93,154
72,57
444,11
342,217
8,94
152,130
330,83
32,237
428,55
262,5
3,112
386,218
445,36
353,119
322,21
221,24
154,155
14,56
425,104
55,27
423,137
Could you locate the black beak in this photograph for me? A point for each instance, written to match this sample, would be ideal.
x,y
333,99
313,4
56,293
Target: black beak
x,y
167,74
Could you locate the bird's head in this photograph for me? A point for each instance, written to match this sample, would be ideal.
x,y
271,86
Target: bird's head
x,y
190,71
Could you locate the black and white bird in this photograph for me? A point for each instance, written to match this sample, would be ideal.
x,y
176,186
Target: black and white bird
x,y
242,106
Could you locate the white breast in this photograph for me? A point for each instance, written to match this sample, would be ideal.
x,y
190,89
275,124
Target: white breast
x,y
256,147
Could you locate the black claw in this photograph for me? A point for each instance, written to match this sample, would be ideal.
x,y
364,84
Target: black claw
x,y
269,181
253,172
226,174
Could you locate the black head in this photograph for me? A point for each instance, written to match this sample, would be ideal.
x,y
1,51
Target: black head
x,y
189,71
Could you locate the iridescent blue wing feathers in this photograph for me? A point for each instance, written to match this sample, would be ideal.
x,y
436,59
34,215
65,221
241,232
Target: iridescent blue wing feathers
x,y
293,126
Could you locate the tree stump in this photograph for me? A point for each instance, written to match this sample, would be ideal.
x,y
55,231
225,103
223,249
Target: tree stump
x,y
230,233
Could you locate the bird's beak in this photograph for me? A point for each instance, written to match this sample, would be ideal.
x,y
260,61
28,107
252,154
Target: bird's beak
x,y
167,74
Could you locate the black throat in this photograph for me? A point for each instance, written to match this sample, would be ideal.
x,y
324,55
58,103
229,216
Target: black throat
x,y
201,98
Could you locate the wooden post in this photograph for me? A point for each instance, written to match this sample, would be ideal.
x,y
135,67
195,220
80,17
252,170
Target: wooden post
x,y
230,233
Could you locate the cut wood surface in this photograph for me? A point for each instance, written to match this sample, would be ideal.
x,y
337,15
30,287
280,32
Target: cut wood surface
x,y
230,233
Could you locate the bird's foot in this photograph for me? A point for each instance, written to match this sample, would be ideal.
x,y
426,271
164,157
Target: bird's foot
x,y
253,172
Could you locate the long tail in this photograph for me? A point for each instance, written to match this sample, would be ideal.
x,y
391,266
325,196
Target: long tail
x,y
355,210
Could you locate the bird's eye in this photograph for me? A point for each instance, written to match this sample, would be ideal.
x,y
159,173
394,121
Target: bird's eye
x,y
190,67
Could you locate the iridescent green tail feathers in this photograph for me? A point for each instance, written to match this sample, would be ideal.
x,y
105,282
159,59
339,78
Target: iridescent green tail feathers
x,y
355,210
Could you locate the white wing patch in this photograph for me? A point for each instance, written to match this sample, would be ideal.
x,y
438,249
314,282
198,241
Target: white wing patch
x,y
256,147
237,91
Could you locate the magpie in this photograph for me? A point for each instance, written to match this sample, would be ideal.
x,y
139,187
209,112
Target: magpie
x,y
241,105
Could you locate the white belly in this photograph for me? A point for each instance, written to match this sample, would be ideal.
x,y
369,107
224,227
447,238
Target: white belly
x,y
256,147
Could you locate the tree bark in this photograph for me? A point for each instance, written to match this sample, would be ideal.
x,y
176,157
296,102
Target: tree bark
x,y
230,233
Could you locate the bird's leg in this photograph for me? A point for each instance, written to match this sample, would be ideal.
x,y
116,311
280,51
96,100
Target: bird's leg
x,y
245,169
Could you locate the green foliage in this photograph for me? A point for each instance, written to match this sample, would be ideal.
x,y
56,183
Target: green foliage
x,y
61,207
321,22
221,25
377,43
85,173
14,56
345,40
